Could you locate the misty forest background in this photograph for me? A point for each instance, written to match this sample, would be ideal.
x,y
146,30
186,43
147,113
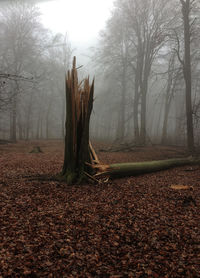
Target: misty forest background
x,y
140,67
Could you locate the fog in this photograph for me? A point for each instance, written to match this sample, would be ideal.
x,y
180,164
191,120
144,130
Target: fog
x,y
82,24
146,70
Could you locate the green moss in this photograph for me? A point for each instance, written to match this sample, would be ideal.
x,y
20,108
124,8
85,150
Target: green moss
x,y
138,168
73,178
36,149
70,178
82,178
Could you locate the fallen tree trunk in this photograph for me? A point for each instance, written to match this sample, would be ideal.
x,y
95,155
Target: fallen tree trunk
x,y
80,159
139,168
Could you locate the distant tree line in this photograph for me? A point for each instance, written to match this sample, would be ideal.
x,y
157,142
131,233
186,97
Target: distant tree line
x,y
33,65
148,69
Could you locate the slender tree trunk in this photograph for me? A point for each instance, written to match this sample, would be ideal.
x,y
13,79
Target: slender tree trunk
x,y
28,117
13,127
143,111
20,127
187,74
41,127
136,105
168,98
168,101
47,116
27,128
165,122
47,127
121,118
145,66
63,121
38,127
108,128
123,103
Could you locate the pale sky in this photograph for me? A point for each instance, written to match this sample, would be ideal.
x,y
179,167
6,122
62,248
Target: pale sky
x,y
81,19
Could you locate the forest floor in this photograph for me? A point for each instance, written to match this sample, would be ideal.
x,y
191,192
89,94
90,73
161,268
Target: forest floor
x,y
131,227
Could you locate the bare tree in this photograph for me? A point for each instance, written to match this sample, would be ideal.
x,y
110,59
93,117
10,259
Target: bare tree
x,y
132,40
173,75
20,47
186,8
112,56
147,21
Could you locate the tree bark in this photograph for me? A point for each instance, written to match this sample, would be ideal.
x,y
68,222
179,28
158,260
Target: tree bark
x,y
79,104
171,86
136,102
132,169
187,74
13,120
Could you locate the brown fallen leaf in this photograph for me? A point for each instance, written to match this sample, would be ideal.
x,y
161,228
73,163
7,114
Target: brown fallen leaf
x,y
180,187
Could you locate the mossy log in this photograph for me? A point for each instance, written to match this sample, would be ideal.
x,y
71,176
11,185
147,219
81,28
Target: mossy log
x,y
36,149
139,168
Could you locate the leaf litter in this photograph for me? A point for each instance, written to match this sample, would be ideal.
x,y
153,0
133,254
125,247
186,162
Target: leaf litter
x,y
131,227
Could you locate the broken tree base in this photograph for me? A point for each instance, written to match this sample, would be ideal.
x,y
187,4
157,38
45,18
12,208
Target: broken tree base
x,y
75,177
79,103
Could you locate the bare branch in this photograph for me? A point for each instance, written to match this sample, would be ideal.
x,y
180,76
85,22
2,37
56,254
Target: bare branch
x,y
14,77
178,45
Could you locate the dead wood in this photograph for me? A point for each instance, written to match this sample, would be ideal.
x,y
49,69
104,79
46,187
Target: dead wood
x,y
138,168
36,149
78,150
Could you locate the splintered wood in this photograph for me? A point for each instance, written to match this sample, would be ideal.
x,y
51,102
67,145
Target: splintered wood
x,y
79,103
81,94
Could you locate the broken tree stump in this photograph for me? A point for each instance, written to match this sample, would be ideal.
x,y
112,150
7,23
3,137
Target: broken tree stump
x,y
78,152
36,149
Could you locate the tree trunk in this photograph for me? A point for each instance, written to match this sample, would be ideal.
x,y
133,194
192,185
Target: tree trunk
x,y
143,119
171,83
120,134
13,121
47,115
79,104
144,109
63,120
136,104
145,71
41,128
38,126
187,74
168,101
20,127
29,116
132,169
